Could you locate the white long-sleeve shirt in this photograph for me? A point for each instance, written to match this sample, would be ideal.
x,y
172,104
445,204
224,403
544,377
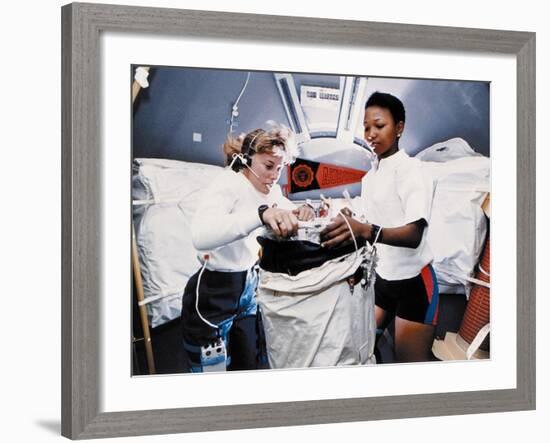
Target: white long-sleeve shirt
x,y
394,194
226,223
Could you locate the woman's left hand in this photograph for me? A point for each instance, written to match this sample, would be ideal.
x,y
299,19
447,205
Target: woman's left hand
x,y
304,213
281,221
338,231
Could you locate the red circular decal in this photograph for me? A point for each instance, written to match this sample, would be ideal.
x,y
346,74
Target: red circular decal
x,y
302,176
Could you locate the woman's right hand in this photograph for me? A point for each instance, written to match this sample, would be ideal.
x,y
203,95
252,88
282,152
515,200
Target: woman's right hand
x,y
281,221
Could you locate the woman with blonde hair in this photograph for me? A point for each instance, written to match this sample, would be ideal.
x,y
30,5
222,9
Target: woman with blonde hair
x,y
219,309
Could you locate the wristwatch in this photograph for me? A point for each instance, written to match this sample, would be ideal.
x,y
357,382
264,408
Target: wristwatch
x,y
376,232
261,211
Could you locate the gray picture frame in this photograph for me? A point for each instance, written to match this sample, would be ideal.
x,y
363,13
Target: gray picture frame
x,y
82,206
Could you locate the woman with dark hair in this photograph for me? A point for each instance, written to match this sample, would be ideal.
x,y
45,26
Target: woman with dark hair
x,y
397,199
219,309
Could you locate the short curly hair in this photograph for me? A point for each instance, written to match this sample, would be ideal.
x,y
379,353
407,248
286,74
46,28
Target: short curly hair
x,y
389,102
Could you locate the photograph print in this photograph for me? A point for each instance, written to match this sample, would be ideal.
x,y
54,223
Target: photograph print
x,y
305,220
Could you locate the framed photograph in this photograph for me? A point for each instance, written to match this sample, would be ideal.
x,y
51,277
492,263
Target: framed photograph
x,y
130,73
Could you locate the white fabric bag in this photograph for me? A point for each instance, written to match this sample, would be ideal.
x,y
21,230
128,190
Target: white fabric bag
x,y
447,150
313,319
458,225
166,194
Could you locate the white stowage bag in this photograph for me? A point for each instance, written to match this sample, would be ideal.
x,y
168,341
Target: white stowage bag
x,y
448,150
170,191
313,319
458,225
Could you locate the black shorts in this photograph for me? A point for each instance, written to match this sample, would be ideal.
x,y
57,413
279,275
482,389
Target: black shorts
x,y
415,299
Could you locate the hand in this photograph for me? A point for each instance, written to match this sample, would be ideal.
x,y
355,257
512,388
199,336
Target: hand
x,y
347,211
304,213
338,231
281,221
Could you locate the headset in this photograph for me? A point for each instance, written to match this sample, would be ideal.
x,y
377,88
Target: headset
x,y
244,157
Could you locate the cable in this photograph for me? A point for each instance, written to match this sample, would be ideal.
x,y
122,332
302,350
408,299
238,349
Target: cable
x,y
367,269
350,230
212,325
235,107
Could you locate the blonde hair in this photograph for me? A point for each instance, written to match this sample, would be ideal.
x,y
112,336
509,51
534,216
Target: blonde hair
x,y
260,141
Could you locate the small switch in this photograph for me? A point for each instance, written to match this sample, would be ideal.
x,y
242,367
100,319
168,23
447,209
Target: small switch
x,y
197,137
